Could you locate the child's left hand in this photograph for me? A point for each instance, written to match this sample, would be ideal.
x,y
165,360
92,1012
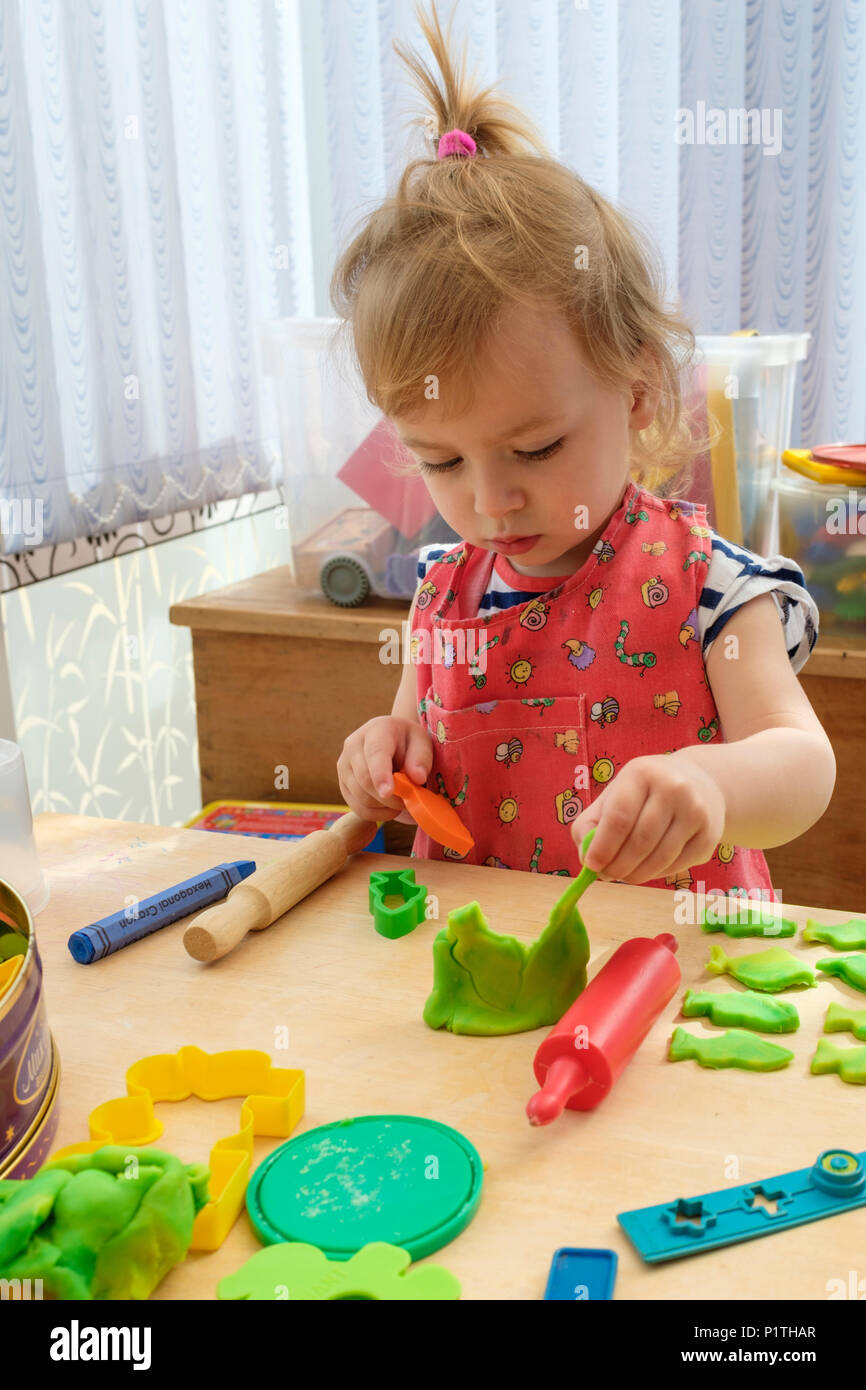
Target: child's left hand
x,y
658,815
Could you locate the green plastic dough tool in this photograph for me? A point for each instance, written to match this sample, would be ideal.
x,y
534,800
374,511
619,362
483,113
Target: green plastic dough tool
x,y
771,970
398,1179
302,1272
742,1009
487,985
736,1048
841,1019
849,1062
851,969
842,936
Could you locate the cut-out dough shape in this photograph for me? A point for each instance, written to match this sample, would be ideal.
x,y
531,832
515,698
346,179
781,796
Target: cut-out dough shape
x,y
851,969
742,1009
849,1062
754,921
377,1271
736,1048
841,936
770,971
841,1019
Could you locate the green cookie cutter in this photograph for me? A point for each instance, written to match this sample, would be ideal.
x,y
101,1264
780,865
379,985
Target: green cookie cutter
x,y
397,919
294,1271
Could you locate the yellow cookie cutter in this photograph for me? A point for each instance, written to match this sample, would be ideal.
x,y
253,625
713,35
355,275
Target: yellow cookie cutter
x,y
273,1106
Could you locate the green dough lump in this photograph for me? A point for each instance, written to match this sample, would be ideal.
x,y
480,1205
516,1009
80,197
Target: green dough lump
x,y
844,936
104,1225
851,969
841,1019
736,1048
849,1062
487,984
770,971
742,1009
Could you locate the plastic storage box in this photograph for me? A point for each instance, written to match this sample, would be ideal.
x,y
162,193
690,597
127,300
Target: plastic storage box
x,y
822,525
358,510
746,382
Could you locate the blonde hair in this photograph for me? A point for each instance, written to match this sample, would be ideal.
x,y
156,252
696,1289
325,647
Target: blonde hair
x,y
423,281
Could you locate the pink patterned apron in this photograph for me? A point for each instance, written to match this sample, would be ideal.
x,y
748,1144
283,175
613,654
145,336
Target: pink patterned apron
x,y
532,710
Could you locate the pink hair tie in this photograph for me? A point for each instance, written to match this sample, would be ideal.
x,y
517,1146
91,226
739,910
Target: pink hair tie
x,y
456,142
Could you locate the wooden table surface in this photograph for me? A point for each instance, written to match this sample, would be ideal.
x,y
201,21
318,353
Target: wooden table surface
x,y
351,1002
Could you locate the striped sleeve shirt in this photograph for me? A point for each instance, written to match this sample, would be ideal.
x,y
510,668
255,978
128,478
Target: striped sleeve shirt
x,y
734,576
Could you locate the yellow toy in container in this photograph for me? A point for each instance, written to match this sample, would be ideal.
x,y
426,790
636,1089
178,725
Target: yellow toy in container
x,y
822,525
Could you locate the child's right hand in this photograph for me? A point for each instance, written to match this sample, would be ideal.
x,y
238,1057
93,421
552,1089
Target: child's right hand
x,y
369,759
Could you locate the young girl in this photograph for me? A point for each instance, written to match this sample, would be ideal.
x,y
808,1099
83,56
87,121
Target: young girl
x,y
593,654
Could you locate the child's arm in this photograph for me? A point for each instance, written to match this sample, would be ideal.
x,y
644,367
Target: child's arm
x,y
777,770
371,754
766,785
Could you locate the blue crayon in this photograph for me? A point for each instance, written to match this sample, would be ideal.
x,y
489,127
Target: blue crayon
x,y
131,923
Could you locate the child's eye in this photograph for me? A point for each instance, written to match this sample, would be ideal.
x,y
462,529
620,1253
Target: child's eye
x,y
544,453
438,467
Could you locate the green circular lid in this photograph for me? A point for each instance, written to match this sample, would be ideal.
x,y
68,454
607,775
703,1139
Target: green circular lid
x,y
396,1178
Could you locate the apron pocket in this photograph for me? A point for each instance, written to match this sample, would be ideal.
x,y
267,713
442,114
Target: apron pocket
x,y
511,770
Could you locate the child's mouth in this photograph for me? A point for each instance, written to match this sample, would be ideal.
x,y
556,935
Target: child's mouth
x,y
513,545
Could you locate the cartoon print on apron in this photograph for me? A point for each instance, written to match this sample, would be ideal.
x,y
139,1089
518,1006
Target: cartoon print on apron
x,y
533,710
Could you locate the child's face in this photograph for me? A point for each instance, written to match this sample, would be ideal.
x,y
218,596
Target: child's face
x,y
556,504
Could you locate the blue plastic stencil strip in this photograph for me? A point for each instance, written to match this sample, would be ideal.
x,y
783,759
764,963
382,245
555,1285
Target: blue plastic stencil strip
x,y
835,1182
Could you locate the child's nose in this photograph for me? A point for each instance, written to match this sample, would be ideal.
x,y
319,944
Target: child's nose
x,y
496,497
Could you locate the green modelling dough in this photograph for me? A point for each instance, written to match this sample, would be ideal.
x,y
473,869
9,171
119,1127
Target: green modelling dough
x,y
486,984
296,1271
843,936
736,1048
742,1009
849,1062
851,969
771,970
755,921
841,1019
104,1225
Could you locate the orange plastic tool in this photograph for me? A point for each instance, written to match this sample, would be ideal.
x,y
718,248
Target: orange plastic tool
x,y
434,814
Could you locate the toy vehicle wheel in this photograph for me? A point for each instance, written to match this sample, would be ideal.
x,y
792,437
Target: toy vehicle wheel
x,y
344,581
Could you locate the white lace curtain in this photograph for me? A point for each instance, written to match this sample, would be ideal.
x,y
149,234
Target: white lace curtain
x,y
173,173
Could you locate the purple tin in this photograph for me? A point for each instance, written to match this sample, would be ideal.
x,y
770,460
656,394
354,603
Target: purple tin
x,y
28,1065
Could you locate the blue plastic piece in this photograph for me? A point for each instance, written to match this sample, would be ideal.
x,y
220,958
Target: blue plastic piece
x,y
836,1182
578,1275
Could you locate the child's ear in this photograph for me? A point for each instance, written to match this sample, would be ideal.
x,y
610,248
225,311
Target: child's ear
x,y
645,390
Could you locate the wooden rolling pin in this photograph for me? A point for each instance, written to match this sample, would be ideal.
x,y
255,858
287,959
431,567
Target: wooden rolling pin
x,y
272,890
